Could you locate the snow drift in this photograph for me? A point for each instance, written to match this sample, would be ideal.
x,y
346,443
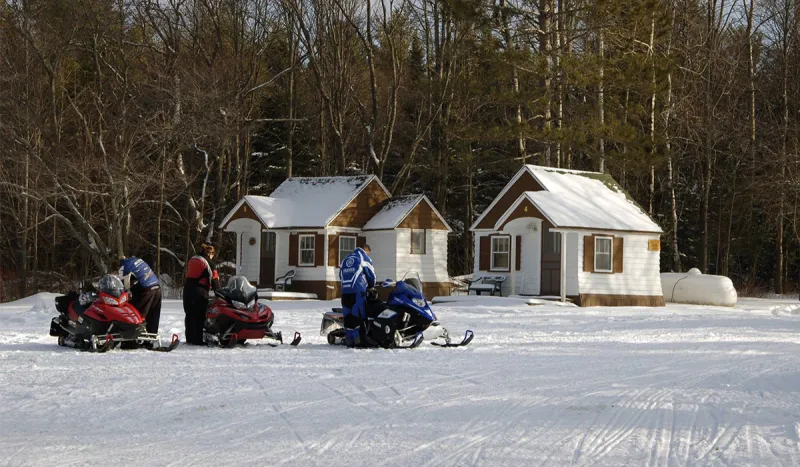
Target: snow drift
x,y
697,288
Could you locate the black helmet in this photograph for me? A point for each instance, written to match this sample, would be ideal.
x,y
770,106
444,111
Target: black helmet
x,y
111,285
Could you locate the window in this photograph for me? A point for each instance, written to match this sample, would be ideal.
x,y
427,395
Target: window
x,y
552,242
346,246
306,250
603,254
501,252
417,242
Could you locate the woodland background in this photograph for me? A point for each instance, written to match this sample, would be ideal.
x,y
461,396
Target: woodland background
x,y
133,126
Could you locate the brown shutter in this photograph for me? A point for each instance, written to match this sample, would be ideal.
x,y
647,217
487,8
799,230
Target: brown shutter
x,y
618,254
588,253
333,250
319,250
485,260
361,241
293,249
519,253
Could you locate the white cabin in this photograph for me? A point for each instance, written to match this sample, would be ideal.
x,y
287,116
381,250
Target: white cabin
x,y
572,234
309,224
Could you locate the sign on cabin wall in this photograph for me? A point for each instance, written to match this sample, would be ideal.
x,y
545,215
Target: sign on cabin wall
x,y
654,245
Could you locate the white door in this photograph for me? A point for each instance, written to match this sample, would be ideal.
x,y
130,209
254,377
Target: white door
x,y
527,280
250,254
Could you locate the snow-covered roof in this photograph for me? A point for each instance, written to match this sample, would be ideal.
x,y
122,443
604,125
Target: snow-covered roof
x,y
305,201
396,209
582,200
275,213
317,200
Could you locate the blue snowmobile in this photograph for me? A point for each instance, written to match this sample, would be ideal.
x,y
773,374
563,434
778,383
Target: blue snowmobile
x,y
404,321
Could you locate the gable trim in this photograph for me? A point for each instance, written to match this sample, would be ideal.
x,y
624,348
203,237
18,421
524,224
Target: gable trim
x,y
520,200
236,209
499,196
411,209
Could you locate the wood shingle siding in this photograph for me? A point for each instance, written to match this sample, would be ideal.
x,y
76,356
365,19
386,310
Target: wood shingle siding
x,y
422,217
362,208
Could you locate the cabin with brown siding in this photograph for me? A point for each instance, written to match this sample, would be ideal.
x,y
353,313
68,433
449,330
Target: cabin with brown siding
x,y
309,224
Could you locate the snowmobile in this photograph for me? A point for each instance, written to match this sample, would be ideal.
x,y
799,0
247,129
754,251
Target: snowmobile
x,y
404,321
101,321
235,316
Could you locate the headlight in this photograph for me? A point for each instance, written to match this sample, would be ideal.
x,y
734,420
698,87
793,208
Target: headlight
x,y
420,302
239,305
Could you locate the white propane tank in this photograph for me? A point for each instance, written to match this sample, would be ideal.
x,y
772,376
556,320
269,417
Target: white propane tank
x,y
696,288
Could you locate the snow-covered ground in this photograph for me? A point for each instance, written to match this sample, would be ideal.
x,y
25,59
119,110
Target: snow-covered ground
x,y
544,385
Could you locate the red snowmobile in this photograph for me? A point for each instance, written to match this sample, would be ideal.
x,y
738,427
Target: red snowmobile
x,y
235,316
99,322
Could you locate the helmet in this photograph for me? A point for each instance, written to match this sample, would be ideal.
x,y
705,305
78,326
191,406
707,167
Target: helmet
x,y
111,290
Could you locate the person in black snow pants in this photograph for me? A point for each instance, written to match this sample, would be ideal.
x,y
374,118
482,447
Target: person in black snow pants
x,y
201,278
145,290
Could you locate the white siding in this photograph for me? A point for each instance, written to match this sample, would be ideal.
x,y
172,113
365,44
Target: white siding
x,y
432,266
574,256
384,253
319,273
640,268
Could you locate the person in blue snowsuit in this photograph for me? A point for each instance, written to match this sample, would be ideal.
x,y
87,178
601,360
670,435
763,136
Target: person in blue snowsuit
x,y
357,276
145,289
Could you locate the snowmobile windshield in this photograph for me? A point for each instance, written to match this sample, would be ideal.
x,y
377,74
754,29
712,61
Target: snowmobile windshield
x,y
413,284
239,289
111,285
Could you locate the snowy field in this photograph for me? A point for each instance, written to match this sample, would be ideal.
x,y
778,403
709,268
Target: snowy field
x,y
542,385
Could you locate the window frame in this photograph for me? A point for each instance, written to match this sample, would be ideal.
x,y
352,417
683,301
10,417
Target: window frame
x,y
610,253
492,252
300,250
355,245
424,242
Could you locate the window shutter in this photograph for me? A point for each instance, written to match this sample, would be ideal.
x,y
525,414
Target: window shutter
x,y
618,254
333,250
588,253
293,249
361,241
519,253
319,250
485,259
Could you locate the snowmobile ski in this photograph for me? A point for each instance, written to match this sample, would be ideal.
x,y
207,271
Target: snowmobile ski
x,y
418,338
295,341
172,345
468,335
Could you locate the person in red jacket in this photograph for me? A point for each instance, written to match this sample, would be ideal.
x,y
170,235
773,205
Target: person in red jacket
x,y
201,278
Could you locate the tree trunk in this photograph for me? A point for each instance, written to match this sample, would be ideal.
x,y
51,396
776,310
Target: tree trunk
x,y
601,165
545,46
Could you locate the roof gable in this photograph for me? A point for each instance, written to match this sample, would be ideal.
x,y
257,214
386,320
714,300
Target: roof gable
x,y
412,211
521,182
360,209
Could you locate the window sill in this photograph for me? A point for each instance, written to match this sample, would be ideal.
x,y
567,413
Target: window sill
x,y
499,270
306,265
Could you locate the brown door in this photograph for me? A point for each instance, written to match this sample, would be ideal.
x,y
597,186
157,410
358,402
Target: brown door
x,y
267,272
551,262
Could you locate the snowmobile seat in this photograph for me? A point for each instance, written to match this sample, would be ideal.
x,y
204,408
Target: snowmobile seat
x,y
284,282
490,284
